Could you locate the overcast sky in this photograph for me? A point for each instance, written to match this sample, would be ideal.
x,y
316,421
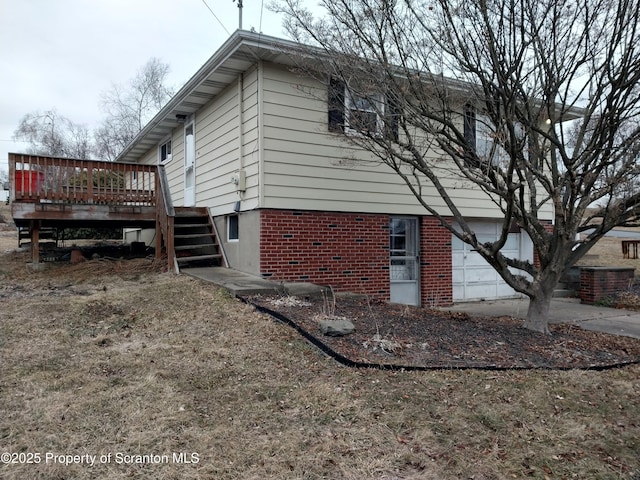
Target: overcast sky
x,y
63,53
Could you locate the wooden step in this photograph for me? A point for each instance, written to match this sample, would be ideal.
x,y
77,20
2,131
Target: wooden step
x,y
196,212
195,225
197,258
190,225
195,235
194,247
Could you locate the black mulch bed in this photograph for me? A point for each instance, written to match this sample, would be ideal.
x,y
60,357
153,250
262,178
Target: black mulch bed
x,y
391,335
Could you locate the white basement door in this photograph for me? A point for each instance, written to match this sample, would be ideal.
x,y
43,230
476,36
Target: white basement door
x,y
473,277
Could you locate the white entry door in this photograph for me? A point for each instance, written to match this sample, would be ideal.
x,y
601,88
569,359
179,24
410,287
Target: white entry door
x,y
189,166
404,272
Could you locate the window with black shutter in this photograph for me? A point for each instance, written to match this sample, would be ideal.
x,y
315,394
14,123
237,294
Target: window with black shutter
x,y
353,114
336,105
470,135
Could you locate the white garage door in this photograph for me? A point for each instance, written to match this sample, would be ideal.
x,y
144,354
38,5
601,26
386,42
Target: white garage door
x,y
473,277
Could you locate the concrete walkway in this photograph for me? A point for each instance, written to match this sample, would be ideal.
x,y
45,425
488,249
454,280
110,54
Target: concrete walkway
x,y
242,284
563,310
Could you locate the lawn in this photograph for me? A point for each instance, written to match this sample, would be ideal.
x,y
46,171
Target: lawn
x,y
151,375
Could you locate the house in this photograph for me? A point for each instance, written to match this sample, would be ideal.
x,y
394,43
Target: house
x,y
252,142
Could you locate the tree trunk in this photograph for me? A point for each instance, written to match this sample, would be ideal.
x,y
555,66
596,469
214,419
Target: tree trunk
x,y
538,313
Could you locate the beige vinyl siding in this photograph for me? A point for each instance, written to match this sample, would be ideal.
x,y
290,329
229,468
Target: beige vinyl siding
x,y
151,157
175,167
218,151
307,167
218,148
251,143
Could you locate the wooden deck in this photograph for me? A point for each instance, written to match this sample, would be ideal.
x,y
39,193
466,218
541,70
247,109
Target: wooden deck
x,y
63,193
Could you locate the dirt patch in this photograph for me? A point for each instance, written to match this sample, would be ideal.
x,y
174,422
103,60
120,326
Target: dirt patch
x,y
390,334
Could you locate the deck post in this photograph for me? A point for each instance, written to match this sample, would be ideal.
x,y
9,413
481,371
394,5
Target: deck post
x,y
170,245
158,238
34,230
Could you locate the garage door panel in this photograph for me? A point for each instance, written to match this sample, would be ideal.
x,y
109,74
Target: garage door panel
x,y
481,275
474,260
473,277
484,228
457,275
479,291
513,243
484,238
457,257
504,290
458,291
456,243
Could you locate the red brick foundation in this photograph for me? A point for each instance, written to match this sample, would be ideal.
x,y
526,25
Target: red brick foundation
x,y
436,275
348,251
598,283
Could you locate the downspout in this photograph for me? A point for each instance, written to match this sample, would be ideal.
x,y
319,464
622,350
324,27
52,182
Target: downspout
x,y
240,123
259,90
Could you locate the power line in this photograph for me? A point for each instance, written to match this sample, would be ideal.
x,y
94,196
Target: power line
x,y
216,17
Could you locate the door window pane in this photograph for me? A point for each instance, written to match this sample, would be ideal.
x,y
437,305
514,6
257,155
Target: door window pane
x,y
402,238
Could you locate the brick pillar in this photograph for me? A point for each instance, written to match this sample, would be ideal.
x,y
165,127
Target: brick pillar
x,y
435,263
598,283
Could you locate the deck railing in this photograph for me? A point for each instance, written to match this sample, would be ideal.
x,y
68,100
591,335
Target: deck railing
x,y
165,217
34,178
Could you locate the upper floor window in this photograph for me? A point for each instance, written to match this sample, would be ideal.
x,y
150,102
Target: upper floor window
x,y
483,140
353,113
470,127
363,114
164,151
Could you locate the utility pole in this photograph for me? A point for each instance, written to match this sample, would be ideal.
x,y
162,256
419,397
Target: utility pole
x,y
239,14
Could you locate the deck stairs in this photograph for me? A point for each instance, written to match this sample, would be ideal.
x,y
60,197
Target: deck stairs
x,y
195,239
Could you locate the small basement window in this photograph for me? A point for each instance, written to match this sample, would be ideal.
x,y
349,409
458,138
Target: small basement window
x,y
232,228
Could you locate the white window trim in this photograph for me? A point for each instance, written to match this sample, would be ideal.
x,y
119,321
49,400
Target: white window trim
x,y
485,142
163,142
233,240
348,106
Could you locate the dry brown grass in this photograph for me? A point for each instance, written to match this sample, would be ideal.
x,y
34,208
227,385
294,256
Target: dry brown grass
x,y
105,358
608,253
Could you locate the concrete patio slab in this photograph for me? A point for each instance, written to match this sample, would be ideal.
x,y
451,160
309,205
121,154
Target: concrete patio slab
x,y
243,284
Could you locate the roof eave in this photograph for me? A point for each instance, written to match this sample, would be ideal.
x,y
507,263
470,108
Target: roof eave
x,y
165,120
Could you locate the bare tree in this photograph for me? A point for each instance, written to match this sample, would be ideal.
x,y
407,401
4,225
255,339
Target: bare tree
x,y
130,107
49,133
4,179
534,102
